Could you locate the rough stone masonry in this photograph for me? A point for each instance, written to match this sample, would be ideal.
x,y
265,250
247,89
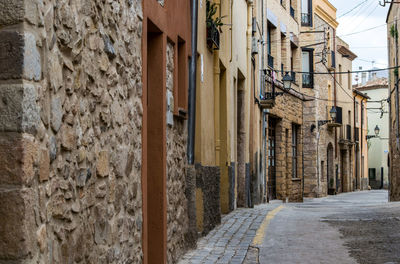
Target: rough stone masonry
x,y
70,131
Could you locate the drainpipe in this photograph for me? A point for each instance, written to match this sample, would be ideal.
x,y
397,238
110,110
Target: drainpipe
x,y
390,122
192,84
397,90
334,91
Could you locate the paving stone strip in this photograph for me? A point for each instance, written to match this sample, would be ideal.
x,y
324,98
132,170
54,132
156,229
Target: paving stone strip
x,y
230,241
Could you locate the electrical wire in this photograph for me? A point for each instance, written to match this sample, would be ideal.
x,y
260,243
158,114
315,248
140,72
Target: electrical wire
x,y
359,71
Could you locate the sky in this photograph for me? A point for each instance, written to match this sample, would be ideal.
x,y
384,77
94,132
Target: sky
x,y
370,45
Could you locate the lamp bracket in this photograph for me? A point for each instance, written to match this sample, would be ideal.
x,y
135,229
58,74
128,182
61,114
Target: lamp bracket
x,y
323,122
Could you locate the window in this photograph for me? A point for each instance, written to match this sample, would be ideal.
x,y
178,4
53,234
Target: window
x,y
340,75
292,11
349,117
306,13
269,46
349,80
307,68
294,150
356,113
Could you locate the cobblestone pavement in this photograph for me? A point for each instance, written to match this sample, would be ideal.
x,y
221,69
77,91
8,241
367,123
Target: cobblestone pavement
x,y
230,241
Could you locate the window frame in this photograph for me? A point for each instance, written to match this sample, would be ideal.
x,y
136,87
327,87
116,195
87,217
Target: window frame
x,y
294,147
311,71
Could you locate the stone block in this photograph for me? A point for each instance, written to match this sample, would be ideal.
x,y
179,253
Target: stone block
x,y
56,113
44,165
17,229
103,167
20,57
11,12
17,157
19,111
68,139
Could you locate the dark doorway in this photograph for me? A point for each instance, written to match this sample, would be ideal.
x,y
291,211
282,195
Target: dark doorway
x,y
155,191
330,180
271,159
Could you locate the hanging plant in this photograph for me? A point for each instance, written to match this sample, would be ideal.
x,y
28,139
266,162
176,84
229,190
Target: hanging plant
x,y
393,31
396,72
211,10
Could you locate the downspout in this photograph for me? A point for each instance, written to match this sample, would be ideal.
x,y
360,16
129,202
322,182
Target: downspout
x,y
334,91
390,122
192,84
397,88
355,150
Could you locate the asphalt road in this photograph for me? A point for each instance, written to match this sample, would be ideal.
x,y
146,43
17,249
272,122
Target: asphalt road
x,y
358,227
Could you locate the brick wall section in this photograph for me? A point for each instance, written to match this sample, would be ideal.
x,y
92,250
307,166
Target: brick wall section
x,y
71,109
177,216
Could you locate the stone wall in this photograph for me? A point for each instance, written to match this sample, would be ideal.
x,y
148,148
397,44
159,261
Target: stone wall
x,y
288,111
316,142
177,216
71,109
208,184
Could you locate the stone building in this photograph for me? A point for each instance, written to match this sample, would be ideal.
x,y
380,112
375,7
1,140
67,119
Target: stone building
x,y
327,142
393,95
378,147
92,164
279,113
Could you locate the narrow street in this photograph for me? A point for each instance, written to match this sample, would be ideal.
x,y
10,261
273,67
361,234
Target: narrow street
x,y
359,227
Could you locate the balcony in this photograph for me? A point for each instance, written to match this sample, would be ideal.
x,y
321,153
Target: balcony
x,y
292,11
308,80
270,61
306,19
213,37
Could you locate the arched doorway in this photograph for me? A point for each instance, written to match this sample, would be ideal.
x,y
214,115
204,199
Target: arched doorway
x,y
330,180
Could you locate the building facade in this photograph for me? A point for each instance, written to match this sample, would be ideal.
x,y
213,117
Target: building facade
x,y
393,96
280,112
97,170
328,146
378,147
361,151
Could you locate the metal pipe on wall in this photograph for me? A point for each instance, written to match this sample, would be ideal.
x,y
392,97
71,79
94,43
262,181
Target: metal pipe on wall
x,y
192,84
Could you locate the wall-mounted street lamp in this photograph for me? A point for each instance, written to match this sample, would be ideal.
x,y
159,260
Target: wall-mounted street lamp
x,y
332,113
287,81
376,130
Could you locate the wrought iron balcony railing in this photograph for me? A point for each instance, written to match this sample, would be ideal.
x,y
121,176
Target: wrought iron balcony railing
x,y
308,80
213,37
306,19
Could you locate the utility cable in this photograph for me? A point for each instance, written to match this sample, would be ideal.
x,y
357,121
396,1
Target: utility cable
x,y
359,71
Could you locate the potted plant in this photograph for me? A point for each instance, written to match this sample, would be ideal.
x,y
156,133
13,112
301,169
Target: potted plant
x,y
213,25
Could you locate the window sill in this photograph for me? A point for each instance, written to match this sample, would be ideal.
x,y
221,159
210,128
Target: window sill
x,y
296,179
